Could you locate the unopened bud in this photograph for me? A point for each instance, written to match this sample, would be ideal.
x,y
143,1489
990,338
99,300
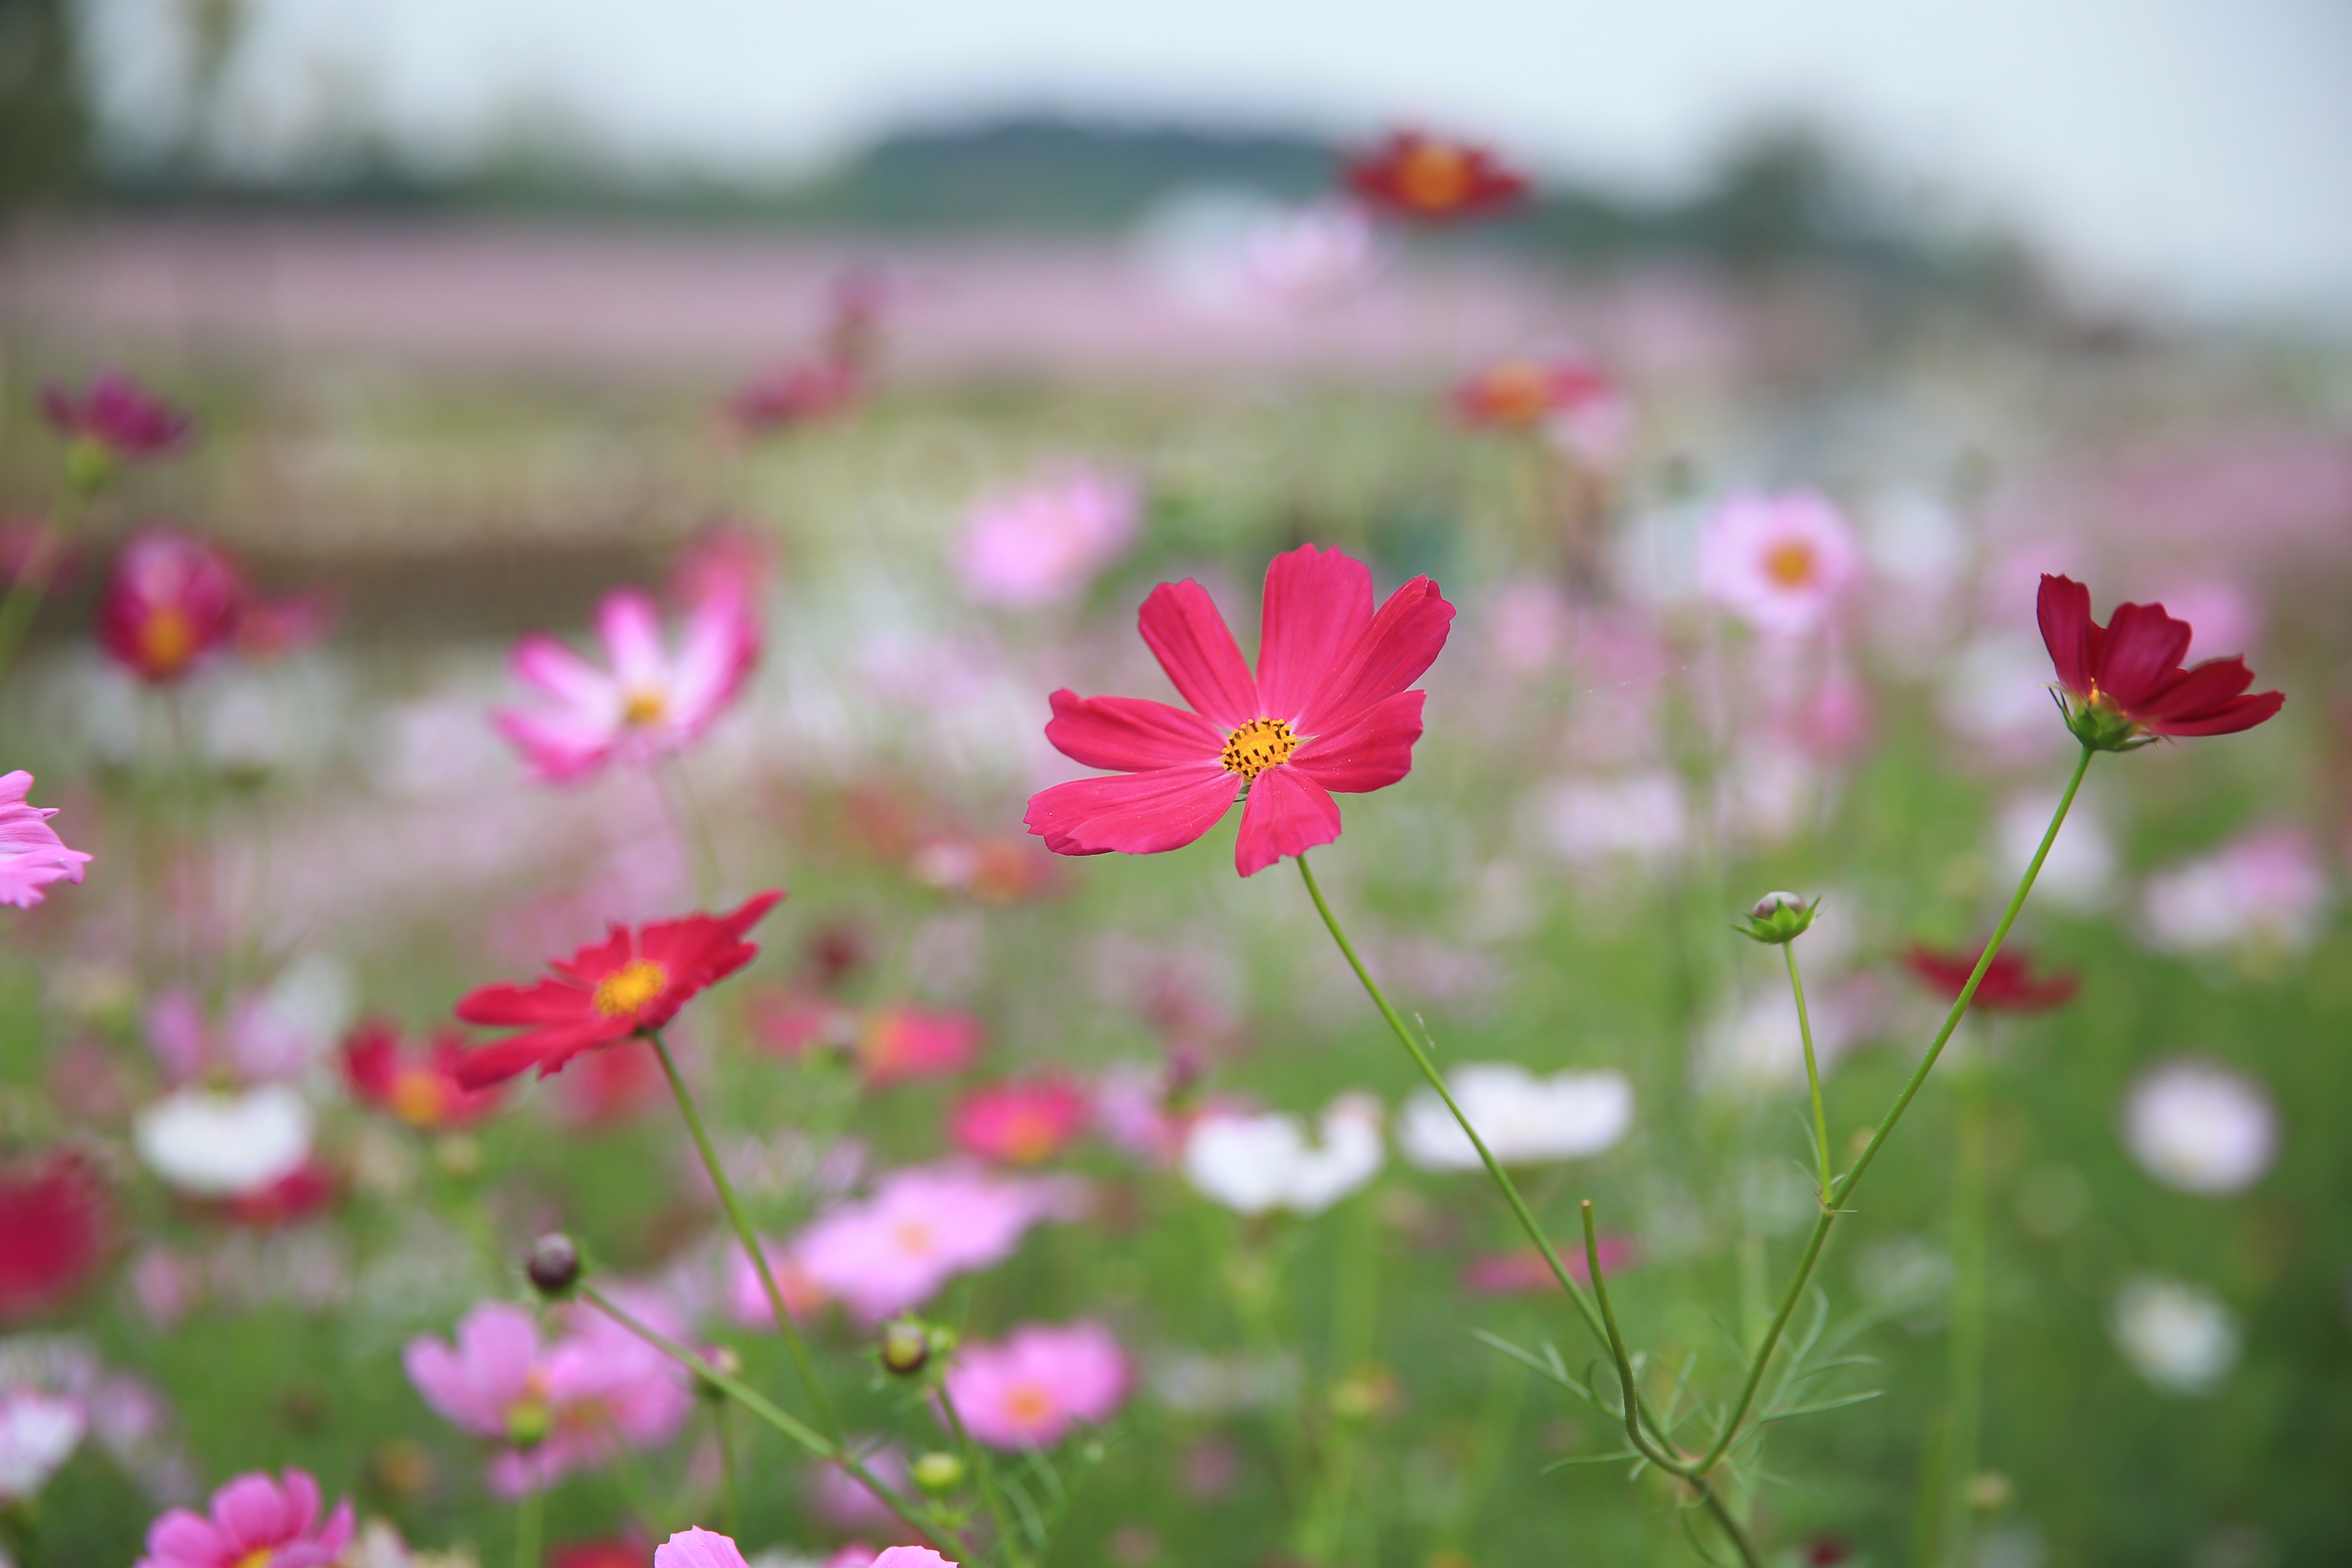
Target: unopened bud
x,y
906,1348
1778,916
938,1471
553,1264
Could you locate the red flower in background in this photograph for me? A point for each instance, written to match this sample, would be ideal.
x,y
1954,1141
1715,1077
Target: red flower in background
x,y
2010,985
2127,679
886,1044
418,1084
1326,711
619,1551
1522,393
796,395
116,413
308,1190
53,1229
1020,1123
612,991
169,603
1430,179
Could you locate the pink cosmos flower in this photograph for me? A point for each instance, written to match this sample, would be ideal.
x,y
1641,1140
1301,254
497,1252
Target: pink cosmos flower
x,y
1044,546
1027,1392
1524,1272
698,1549
117,414
1779,562
922,1227
32,856
1018,1123
911,1557
255,1522
795,394
1327,710
256,1040
651,703
887,1044
1308,254
170,603
746,1294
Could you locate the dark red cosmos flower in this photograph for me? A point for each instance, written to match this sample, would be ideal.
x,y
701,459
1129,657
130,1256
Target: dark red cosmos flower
x,y
169,602
310,1189
621,1551
1328,711
116,413
795,394
419,1084
2125,677
2010,985
53,1227
630,983
1431,179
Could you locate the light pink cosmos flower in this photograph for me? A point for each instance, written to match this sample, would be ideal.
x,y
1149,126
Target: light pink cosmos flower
x,y
922,1227
38,1432
651,703
911,1557
255,1522
1779,562
1043,544
32,856
698,1549
1027,1392
746,1294
2263,893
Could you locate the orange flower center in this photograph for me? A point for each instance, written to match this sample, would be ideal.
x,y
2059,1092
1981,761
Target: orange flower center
x,y
627,989
1516,394
258,1558
644,707
1434,177
167,641
418,1098
1030,1135
914,1236
1260,744
1029,1404
1791,562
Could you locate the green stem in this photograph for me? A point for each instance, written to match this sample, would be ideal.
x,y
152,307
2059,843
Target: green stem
x,y
32,585
1812,1072
1968,1343
983,1470
729,1500
1843,1190
530,1515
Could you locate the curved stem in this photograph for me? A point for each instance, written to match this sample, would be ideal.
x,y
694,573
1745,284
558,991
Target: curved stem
x,y
1812,1072
983,1470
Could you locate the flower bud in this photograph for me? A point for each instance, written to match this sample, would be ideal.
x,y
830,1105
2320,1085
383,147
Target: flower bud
x,y
938,1471
1778,916
720,1358
553,1264
905,1349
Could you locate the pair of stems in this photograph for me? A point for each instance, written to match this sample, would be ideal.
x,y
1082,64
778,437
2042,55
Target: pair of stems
x,y
1836,1192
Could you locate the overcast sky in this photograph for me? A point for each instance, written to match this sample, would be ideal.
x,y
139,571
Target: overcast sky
x,y
2188,152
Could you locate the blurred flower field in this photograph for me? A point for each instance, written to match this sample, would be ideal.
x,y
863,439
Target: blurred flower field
x,y
370,692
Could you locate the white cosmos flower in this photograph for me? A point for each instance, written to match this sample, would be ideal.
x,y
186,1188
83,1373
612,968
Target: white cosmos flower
x,y
2180,1336
38,1431
1524,1119
1255,1163
2200,1127
220,1145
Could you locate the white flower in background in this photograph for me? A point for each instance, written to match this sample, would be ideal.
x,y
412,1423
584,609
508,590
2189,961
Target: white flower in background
x,y
1756,1045
1524,1119
1641,818
2264,892
219,1145
1998,693
1255,1163
2081,869
1308,255
38,1432
1779,562
2180,1336
2200,1127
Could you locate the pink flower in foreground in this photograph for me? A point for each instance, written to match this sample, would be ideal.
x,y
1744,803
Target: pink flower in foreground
x,y
1045,544
650,703
1327,710
255,1522
169,602
1779,562
921,1227
911,1557
1027,1392
1019,1123
698,1549
116,415
32,856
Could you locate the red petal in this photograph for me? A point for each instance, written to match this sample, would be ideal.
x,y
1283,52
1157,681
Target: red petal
x,y
1402,641
1135,814
2068,632
503,1059
541,1002
1317,605
1131,734
1182,626
2239,713
1371,753
597,960
1287,814
2142,649
2197,692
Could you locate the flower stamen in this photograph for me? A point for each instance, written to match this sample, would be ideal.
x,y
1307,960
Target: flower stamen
x,y
628,988
643,707
1260,744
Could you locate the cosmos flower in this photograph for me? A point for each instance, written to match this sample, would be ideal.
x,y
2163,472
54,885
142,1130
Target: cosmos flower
x,y
887,1044
1253,1164
1030,1390
1045,544
308,1190
2200,1127
2009,985
2125,677
651,703
795,394
52,1230
1779,562
1524,1272
2264,893
255,1522
216,1143
1019,1123
116,415
616,990
38,1433
1429,179
170,603
417,1083
1329,709
747,1293
2178,1336
32,856
922,1227
1306,255
1524,1119
1571,402
258,1038
698,1549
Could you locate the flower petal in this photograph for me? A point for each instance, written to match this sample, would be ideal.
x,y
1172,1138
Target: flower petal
x,y
541,662
2198,691
1180,625
2063,608
1372,752
2239,713
1402,641
1134,814
1287,814
2142,647
1318,605
1131,734
630,623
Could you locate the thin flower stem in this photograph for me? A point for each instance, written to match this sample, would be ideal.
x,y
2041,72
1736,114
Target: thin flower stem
x,y
1843,1190
531,1513
1812,1072
827,1418
729,1501
32,585
1968,1340
1617,1351
983,1470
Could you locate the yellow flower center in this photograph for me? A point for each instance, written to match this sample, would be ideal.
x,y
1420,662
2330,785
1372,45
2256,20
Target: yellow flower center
x,y
417,1098
1791,562
258,1558
625,990
1516,394
1434,177
1030,1135
1029,1404
166,642
1260,744
914,1236
644,707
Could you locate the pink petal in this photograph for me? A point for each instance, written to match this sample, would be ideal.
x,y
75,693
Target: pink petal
x,y
1318,605
630,625
185,1540
1134,814
1132,734
721,646
542,663
560,747
1372,752
1402,641
697,1549
1287,814
911,1557
1180,625
250,1512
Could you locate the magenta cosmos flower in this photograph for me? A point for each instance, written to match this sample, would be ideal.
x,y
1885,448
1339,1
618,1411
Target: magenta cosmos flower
x,y
255,1522
1028,1391
170,603
2127,679
1328,711
650,703
32,856
116,415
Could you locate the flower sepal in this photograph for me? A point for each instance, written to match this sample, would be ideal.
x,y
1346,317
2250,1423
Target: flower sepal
x,y
2100,725
1778,918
